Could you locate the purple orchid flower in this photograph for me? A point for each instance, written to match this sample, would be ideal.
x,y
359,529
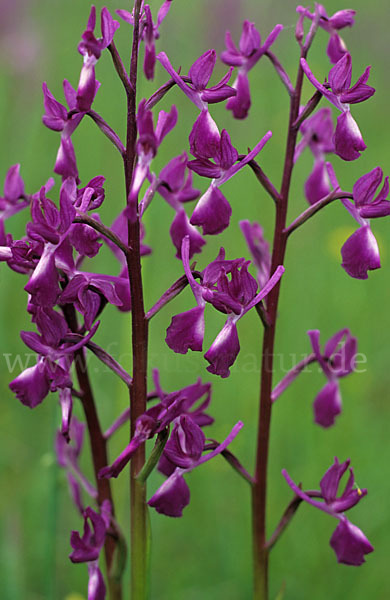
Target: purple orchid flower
x,y
213,211
245,58
13,199
50,226
204,133
149,139
149,32
341,19
68,450
96,585
317,134
347,138
52,371
174,495
348,541
234,298
57,118
360,253
91,48
336,361
90,291
159,417
259,249
91,196
174,184
364,191
200,74
86,548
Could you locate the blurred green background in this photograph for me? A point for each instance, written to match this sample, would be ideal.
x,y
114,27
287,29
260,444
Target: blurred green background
x,y
207,553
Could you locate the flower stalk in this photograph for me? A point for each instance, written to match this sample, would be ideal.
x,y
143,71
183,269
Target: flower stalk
x,y
259,489
138,388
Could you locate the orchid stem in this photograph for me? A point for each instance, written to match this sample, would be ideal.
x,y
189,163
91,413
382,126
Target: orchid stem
x,y
87,220
284,78
160,93
98,448
138,387
259,488
314,208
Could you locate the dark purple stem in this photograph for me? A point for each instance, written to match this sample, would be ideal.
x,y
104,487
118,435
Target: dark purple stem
x,y
231,459
291,376
309,108
259,489
138,388
120,68
281,72
107,130
176,288
288,515
262,178
98,450
87,220
160,93
314,208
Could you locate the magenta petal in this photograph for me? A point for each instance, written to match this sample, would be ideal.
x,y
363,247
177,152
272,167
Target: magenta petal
x,y
32,385
365,187
347,138
241,102
66,159
229,154
186,443
165,466
204,137
350,544
218,94
205,168
96,585
66,402
232,58
149,61
55,113
342,18
87,85
223,351
317,185
179,229
212,212
340,74
173,174
165,123
87,547
172,496
336,48
13,184
43,283
163,11
202,69
108,27
250,39
330,482
259,249
360,253
360,91
327,404
119,463
186,331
